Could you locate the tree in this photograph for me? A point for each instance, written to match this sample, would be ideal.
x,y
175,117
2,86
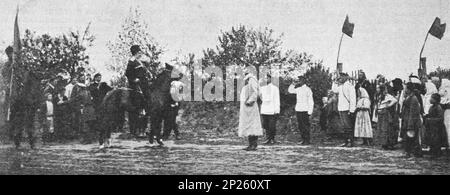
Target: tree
x,y
49,56
242,46
135,31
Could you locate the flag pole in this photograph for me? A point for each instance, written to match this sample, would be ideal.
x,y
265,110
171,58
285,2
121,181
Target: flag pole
x,y
14,61
423,46
339,50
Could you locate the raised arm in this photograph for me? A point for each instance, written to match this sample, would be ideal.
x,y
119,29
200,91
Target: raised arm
x,y
292,89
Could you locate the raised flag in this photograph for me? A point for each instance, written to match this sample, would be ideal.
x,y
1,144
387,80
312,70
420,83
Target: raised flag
x,y
17,43
437,29
17,46
348,27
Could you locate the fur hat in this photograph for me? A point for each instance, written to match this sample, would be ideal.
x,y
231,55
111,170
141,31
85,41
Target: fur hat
x,y
135,49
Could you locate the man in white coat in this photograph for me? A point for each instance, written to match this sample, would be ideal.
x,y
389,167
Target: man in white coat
x,y
270,108
304,108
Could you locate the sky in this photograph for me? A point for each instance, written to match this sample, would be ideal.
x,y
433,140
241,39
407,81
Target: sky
x,y
387,38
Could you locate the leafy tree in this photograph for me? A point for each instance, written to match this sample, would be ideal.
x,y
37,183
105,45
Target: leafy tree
x,y
48,55
135,31
242,46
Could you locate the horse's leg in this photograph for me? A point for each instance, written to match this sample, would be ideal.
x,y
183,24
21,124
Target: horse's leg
x,y
144,124
29,125
102,131
156,128
133,122
16,122
167,128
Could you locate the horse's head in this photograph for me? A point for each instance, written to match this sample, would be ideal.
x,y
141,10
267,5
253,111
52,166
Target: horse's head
x,y
158,92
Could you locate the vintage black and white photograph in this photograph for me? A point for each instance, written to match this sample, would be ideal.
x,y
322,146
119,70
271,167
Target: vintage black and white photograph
x,y
224,87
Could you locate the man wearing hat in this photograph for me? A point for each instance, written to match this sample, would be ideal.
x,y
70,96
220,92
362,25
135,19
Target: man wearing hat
x,y
270,108
418,89
137,78
346,107
304,108
51,87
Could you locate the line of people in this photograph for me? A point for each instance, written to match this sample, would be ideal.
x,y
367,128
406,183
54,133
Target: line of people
x,y
409,114
413,114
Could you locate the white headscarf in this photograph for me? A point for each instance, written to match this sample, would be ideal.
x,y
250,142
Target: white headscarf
x,y
364,93
444,91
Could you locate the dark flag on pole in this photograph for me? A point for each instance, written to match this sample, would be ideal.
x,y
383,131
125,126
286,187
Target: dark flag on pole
x,y
17,46
437,29
17,43
348,27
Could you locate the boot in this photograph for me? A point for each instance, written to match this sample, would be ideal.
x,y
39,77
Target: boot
x,y
160,142
269,141
253,143
364,142
249,144
351,143
151,139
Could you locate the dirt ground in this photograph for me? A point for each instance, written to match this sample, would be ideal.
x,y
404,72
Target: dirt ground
x,y
218,156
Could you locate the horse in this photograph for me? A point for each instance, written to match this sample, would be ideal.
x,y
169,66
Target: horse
x,y
113,107
24,108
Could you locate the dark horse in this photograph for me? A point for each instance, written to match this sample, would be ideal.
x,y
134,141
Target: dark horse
x,y
24,108
117,102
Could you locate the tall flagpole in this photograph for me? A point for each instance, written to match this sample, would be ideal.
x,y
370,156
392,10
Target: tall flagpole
x,y
339,50
14,61
421,51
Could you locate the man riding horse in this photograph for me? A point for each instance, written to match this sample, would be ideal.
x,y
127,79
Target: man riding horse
x,y
138,79
141,98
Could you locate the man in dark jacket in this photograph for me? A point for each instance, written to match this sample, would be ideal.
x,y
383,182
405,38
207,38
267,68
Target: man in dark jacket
x,y
137,77
98,90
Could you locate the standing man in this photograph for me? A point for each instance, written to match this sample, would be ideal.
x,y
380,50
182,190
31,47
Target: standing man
x,y
69,87
173,107
270,108
304,108
51,87
6,75
98,90
346,108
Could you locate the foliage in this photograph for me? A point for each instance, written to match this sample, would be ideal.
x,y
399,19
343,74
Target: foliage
x,y
48,56
242,46
441,73
135,31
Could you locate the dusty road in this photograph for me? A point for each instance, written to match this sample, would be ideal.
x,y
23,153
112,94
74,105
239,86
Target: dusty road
x,y
137,157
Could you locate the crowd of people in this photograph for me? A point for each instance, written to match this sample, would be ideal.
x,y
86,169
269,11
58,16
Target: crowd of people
x,y
411,114
414,114
70,111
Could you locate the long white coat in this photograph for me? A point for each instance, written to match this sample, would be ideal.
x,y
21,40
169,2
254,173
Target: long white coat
x,y
249,117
